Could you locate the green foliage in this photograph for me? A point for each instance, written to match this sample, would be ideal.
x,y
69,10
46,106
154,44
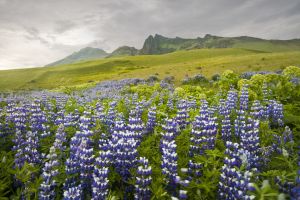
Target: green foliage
x,y
265,192
207,187
80,75
228,79
291,71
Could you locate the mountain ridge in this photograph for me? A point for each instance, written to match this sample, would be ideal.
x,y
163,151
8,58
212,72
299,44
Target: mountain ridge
x,y
158,44
87,53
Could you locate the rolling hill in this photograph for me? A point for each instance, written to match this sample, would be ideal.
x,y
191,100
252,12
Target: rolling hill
x,y
87,53
158,44
124,51
178,64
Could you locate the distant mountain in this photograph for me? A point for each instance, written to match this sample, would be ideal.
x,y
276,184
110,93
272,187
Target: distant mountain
x,y
160,44
124,51
87,53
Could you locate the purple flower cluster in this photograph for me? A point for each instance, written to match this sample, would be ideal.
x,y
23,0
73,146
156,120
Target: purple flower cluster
x,y
151,123
244,98
234,183
275,111
169,155
50,169
182,114
143,180
100,176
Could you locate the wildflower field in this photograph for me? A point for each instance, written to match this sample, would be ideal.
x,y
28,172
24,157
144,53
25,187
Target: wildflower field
x,y
235,136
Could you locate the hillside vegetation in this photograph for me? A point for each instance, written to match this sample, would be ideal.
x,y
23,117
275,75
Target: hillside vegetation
x,y
178,64
158,44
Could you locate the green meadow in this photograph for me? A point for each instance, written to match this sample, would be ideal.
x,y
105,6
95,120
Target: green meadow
x,y
178,64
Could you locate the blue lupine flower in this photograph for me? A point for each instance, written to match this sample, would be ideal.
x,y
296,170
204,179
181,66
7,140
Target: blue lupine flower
x,y
182,114
151,123
143,180
244,98
50,169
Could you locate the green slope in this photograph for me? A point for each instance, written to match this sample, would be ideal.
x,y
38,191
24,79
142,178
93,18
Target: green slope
x,y
158,44
178,64
124,51
269,46
87,53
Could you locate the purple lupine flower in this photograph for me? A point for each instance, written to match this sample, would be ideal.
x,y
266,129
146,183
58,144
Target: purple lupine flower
x,y
37,117
284,186
50,169
244,98
232,99
30,148
194,169
123,144
111,114
183,183
250,144
143,180
86,160
151,123
182,114
275,111
136,127
72,163
100,114
170,103
169,155
295,192
100,175
287,135
226,128
257,110
240,123
73,193
234,184
47,188
204,131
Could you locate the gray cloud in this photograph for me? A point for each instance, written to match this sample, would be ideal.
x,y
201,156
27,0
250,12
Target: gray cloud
x,y
34,33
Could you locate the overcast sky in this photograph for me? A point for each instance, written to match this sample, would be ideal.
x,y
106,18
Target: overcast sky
x,y
38,32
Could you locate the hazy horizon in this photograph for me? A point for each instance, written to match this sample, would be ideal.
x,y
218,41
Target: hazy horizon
x,y
36,33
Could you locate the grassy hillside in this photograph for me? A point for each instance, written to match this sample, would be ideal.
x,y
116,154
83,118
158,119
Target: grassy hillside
x,y
159,44
269,45
178,64
87,53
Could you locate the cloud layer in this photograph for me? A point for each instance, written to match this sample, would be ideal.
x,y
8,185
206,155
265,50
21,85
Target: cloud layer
x,y
35,33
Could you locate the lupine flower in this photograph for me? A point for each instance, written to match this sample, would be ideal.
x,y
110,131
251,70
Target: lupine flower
x,y
234,183
136,126
240,123
100,175
257,110
73,193
169,155
182,114
50,170
143,180
226,128
100,114
151,123
123,145
250,144
295,193
244,98
275,111
232,98
203,132
111,114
